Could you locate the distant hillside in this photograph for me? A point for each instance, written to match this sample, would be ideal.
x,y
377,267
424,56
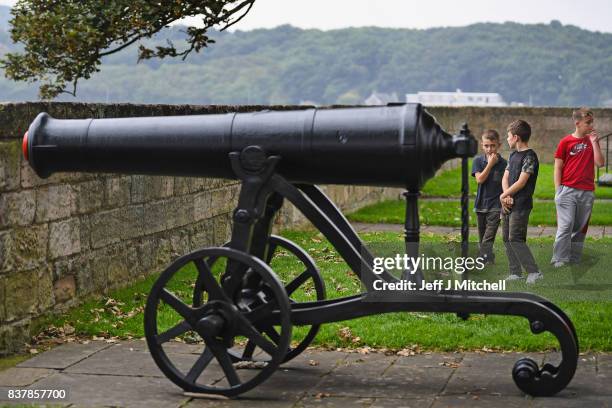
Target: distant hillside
x,y
547,64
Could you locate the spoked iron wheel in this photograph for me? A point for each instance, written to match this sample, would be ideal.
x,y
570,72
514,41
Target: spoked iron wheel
x,y
216,321
303,283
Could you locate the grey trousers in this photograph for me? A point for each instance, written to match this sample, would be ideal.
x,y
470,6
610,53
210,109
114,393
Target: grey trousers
x,y
574,209
514,231
488,223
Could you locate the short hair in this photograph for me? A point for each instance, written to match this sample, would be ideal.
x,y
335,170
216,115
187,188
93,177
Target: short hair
x,y
582,113
520,128
491,134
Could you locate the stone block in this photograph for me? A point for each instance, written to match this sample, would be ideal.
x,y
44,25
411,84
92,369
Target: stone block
x,y
112,226
10,157
2,297
54,202
30,179
21,300
180,244
64,238
156,217
63,267
85,232
29,246
86,279
154,255
223,201
64,289
202,235
222,229
6,249
125,265
17,208
179,212
45,298
113,266
14,336
89,196
117,191
181,185
202,206
147,188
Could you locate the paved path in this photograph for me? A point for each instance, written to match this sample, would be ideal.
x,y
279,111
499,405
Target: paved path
x,y
598,231
124,375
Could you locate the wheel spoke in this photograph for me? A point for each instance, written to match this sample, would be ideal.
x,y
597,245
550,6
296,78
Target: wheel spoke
x,y
199,366
297,282
175,303
177,330
208,280
272,333
247,354
247,329
225,362
271,250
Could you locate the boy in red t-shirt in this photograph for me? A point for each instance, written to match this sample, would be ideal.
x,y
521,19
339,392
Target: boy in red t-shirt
x,y
574,175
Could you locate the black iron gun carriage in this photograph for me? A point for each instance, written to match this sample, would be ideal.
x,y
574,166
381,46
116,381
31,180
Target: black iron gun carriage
x,y
238,305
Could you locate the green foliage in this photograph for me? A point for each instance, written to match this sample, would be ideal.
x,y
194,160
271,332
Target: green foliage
x,y
547,64
583,294
448,213
64,41
448,184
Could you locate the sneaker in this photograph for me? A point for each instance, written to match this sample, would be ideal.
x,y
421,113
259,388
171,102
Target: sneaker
x,y
512,277
560,264
533,277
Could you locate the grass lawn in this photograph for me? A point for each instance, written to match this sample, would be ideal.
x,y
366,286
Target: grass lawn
x,y
448,213
584,295
448,184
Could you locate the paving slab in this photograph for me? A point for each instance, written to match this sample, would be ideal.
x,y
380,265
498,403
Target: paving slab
x,y
487,374
21,377
379,376
85,390
589,381
65,355
124,375
485,401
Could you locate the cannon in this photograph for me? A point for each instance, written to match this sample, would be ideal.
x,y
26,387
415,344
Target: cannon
x,y
239,309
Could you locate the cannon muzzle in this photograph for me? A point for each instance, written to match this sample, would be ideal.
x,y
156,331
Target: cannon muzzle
x,y
397,145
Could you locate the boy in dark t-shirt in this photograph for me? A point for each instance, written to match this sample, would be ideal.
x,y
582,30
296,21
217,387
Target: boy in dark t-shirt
x,y
488,169
518,184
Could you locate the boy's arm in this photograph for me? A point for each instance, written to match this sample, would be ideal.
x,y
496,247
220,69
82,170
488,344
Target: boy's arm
x,y
558,171
482,176
505,184
598,155
516,187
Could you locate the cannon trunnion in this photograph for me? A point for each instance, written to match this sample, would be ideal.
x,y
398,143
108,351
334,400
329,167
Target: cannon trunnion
x,y
239,309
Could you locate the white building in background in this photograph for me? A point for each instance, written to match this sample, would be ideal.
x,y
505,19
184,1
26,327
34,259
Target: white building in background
x,y
379,98
457,98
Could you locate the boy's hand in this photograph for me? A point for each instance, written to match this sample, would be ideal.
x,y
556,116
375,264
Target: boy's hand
x,y
506,202
492,158
594,136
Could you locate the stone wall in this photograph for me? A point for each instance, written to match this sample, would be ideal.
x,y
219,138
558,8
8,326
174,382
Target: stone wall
x,y
548,125
73,235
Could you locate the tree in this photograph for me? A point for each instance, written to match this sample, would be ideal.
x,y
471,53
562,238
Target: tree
x,y
65,40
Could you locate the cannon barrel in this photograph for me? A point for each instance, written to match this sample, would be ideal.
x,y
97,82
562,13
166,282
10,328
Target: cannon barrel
x,y
395,145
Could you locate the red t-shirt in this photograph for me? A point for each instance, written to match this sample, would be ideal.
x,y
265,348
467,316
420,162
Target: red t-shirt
x,y
578,162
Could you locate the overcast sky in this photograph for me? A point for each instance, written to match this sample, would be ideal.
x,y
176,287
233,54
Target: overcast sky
x,y
595,15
